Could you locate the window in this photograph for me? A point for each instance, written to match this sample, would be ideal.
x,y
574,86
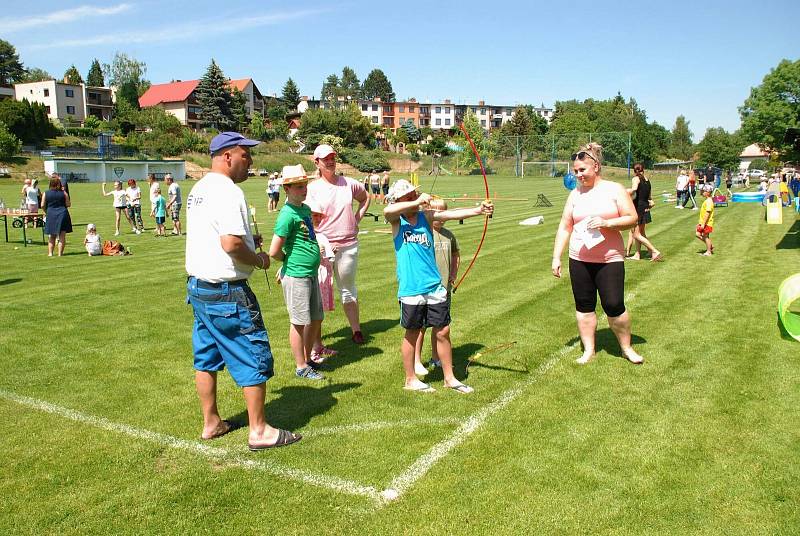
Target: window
x,y
374,107
375,119
69,92
401,108
194,109
483,123
447,122
483,111
411,109
48,110
508,111
364,107
387,109
71,110
438,109
423,110
46,92
447,110
438,122
474,110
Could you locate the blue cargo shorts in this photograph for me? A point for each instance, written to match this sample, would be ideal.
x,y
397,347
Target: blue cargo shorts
x,y
229,331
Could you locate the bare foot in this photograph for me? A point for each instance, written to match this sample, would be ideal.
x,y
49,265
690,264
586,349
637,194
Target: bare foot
x,y
218,431
634,257
632,356
585,358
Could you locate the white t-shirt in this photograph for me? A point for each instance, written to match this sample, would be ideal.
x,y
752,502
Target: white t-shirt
x,y
683,182
273,186
215,207
120,198
32,195
153,187
175,191
134,194
93,246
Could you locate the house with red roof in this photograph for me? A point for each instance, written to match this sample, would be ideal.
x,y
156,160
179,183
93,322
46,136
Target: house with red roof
x,y
180,99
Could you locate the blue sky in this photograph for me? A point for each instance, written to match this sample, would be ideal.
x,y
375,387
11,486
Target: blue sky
x,y
698,58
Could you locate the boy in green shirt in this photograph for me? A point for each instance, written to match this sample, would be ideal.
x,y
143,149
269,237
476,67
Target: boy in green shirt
x,y
295,243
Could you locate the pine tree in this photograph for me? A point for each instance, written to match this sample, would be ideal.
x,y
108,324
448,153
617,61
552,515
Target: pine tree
x,y
72,76
95,76
330,89
376,84
11,69
239,109
349,85
215,99
291,95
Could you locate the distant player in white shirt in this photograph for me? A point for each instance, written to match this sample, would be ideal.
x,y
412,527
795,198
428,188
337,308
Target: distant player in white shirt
x,y
228,325
174,202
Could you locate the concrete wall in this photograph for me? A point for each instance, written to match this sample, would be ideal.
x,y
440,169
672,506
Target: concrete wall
x,y
107,170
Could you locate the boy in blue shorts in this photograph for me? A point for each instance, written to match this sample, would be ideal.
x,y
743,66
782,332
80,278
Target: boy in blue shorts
x,y
295,243
423,299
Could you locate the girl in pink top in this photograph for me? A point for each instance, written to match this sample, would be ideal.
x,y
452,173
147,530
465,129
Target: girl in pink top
x,y
594,214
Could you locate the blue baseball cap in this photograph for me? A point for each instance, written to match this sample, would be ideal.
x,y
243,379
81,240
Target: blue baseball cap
x,y
229,139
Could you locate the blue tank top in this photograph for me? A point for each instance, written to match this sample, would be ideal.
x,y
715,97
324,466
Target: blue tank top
x,y
416,262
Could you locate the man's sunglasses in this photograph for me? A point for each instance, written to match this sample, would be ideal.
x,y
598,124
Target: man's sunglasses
x,y
582,156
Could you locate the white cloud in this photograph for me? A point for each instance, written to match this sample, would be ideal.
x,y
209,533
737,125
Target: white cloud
x,y
188,31
10,25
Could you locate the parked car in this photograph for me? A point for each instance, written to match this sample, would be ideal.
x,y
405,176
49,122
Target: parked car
x,y
757,172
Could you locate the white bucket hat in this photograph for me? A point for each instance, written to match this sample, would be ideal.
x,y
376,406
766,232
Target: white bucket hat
x,y
400,188
293,174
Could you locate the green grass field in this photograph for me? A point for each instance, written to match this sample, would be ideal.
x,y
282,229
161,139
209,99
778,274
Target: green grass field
x,y
100,424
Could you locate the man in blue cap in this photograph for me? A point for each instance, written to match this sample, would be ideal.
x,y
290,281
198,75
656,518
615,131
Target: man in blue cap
x,y
228,326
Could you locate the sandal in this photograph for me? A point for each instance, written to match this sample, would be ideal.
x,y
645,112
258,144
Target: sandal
x,y
285,437
462,388
419,387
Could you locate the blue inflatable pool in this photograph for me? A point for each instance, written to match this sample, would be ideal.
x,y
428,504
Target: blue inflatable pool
x,y
747,197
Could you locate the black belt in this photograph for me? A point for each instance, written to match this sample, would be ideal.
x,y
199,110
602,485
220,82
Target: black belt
x,y
212,286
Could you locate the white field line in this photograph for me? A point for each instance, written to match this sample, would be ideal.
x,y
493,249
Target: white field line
x,y
195,447
404,481
378,425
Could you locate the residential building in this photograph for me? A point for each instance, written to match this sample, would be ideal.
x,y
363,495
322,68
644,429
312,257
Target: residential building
x,y
179,98
443,115
373,110
68,101
407,111
6,92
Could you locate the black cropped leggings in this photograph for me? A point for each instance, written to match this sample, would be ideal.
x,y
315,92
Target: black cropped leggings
x,y
590,278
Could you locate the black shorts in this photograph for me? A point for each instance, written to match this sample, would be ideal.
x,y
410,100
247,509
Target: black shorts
x,y
385,189
274,195
644,217
376,189
425,316
589,279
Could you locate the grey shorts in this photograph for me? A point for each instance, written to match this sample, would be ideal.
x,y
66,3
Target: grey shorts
x,y
303,299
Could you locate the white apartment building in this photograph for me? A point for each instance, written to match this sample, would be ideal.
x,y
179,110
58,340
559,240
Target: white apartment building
x,y
373,110
443,115
68,101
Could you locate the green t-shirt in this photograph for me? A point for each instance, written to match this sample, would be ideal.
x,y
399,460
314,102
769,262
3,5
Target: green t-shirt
x,y
300,246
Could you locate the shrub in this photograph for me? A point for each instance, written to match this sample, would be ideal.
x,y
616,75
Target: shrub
x,y
9,143
364,160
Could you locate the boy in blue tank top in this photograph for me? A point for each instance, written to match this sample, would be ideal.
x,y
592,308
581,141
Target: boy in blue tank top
x,y
423,299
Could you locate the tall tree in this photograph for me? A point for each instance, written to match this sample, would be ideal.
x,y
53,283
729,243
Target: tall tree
x,y
125,69
35,74
290,94
215,99
473,127
11,69
72,76
411,130
719,148
95,76
239,109
376,84
349,85
680,143
771,114
330,89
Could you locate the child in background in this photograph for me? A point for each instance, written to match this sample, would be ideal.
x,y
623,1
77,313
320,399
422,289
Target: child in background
x,y
706,221
423,299
134,195
325,275
92,242
295,244
159,211
120,204
448,260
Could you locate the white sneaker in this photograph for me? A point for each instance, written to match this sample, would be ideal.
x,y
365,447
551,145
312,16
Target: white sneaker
x,y
420,370
138,231
133,229
116,233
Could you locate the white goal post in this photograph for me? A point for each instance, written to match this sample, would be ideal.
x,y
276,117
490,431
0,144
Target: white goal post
x,y
545,169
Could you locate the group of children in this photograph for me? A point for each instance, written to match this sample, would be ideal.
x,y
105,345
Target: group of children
x,y
377,186
128,202
427,264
